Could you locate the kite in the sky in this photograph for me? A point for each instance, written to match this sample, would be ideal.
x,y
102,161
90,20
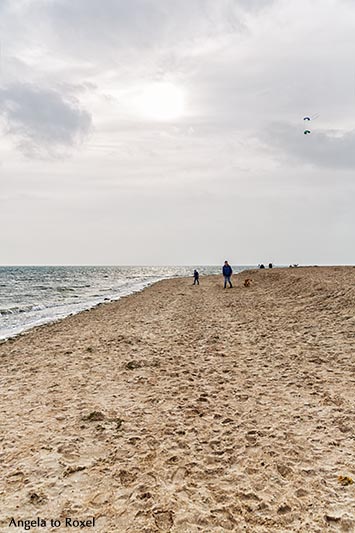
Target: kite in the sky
x,y
306,132
307,118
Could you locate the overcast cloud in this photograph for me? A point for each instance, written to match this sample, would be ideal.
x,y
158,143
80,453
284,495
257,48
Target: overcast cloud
x,y
91,175
41,119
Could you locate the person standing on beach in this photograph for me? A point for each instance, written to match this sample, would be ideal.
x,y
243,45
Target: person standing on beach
x,y
227,272
196,277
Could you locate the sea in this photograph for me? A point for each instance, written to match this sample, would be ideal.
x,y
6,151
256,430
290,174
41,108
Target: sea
x,y
34,295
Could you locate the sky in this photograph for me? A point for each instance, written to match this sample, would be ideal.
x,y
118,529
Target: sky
x,y
152,132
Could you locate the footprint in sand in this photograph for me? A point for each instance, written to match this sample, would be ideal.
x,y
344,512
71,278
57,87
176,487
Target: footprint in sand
x,y
37,498
127,477
68,450
179,474
164,520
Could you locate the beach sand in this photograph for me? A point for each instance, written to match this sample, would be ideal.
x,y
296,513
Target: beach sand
x,y
188,408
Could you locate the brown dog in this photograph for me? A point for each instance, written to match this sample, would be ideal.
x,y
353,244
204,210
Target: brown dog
x,y
247,282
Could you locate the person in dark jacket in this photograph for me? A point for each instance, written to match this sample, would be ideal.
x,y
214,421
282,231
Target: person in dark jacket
x,y
196,277
227,272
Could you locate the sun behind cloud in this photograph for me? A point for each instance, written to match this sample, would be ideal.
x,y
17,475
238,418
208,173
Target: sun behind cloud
x,y
162,101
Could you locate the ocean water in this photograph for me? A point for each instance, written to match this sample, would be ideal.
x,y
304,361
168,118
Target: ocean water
x,y
35,295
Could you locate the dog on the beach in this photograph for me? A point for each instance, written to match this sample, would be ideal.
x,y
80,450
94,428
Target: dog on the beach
x,y
247,282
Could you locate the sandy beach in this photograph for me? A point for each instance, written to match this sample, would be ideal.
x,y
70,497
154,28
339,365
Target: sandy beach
x,y
187,409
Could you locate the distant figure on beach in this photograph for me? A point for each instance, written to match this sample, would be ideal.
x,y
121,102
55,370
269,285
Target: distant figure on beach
x,y
227,272
270,265
261,266
196,277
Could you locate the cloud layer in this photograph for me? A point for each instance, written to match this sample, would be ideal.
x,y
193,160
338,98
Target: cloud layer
x,y
234,174
42,120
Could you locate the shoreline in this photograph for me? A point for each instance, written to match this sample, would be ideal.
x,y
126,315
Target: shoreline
x,y
105,301
50,320
187,409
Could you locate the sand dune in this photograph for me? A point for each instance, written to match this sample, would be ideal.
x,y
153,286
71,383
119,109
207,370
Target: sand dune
x,y
188,409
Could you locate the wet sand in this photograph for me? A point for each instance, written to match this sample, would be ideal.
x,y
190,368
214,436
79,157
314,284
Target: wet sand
x,y
188,409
